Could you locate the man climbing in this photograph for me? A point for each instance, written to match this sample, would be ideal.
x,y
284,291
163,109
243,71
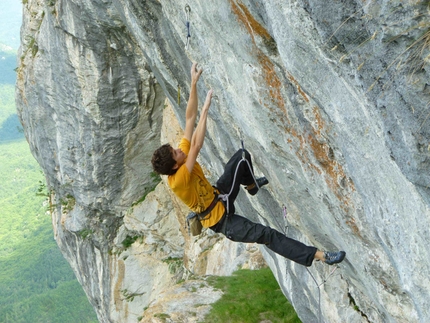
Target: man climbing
x,y
186,179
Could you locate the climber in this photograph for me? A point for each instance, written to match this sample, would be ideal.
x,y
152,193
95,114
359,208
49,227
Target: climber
x,y
187,181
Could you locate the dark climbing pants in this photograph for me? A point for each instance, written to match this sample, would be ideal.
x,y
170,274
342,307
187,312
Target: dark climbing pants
x,y
239,229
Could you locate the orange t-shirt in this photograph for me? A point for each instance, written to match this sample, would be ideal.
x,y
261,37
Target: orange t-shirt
x,y
195,190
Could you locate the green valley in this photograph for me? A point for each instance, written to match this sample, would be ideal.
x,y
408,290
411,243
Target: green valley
x,y
36,282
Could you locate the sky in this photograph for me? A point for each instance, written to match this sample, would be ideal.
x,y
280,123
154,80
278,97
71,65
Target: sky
x,y
10,22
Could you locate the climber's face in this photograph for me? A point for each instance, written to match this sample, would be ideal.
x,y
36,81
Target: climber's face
x,y
179,156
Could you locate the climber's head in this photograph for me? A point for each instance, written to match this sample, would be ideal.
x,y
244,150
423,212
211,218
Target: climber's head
x,y
167,160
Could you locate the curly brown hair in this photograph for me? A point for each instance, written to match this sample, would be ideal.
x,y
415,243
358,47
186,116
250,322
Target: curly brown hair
x,y
162,160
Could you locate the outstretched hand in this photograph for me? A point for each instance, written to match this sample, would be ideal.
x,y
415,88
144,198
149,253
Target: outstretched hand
x,y
195,73
208,99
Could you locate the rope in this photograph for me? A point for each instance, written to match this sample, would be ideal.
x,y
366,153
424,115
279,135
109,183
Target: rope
x,y
224,197
187,14
318,285
284,209
319,290
285,230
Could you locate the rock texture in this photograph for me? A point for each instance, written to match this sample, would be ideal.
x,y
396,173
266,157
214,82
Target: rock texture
x,y
332,99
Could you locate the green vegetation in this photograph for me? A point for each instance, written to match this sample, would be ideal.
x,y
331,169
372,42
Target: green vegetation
x,y
129,240
36,283
175,264
162,316
250,296
85,233
155,179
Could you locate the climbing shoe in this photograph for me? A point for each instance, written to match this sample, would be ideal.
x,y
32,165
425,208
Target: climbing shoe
x,y
334,257
253,189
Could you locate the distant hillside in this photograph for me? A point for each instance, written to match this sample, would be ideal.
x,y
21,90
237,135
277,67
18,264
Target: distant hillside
x,y
7,66
37,284
7,101
10,127
10,22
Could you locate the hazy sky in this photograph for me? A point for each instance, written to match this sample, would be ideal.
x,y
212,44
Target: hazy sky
x,y
10,22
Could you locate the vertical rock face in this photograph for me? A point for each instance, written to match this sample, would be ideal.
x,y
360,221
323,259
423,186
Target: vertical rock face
x,y
331,99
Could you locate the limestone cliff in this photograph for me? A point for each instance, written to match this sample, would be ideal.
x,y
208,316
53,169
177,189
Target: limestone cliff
x,y
331,97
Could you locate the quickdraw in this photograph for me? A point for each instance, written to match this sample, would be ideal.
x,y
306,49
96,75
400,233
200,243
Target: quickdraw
x,y
187,14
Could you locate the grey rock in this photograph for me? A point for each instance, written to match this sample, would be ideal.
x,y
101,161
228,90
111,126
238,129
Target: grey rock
x,y
330,98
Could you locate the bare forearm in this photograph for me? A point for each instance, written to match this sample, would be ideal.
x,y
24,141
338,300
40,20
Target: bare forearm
x,y
198,136
200,132
191,112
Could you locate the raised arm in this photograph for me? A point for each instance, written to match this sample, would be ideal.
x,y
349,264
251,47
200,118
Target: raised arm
x,y
191,112
199,135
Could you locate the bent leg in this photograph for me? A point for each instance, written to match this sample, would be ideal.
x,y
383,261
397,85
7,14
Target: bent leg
x,y
240,229
236,172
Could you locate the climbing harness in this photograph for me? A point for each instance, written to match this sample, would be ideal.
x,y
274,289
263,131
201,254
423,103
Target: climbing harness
x,y
195,228
225,199
187,14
